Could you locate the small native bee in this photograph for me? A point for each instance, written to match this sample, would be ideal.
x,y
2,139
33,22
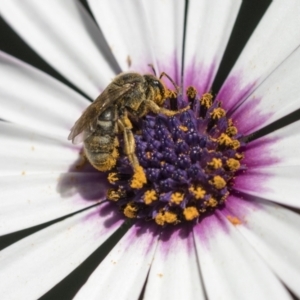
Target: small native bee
x,y
129,94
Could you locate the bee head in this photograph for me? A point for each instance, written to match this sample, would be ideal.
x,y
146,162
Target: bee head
x,y
159,89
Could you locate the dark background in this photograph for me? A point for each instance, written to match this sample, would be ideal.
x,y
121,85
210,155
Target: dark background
x,y
250,14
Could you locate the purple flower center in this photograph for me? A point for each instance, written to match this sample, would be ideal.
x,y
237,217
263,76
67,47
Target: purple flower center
x,y
189,160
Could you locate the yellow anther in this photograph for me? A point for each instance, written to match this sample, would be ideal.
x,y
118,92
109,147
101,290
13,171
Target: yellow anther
x,y
160,219
191,92
206,100
130,210
231,130
150,196
112,177
148,154
235,144
233,164
171,94
165,217
197,192
215,163
218,182
218,113
183,128
190,213
114,195
212,202
170,217
239,156
224,140
139,178
177,198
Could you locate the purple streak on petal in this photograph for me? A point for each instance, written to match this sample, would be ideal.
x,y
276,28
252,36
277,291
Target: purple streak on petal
x,y
259,153
252,180
142,228
232,93
170,239
201,77
207,228
241,207
248,117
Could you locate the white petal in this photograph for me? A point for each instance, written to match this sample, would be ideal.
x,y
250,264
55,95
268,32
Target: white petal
x,y
274,233
24,151
166,23
275,98
38,262
123,272
144,32
174,272
64,35
230,267
33,99
35,199
209,24
126,32
274,39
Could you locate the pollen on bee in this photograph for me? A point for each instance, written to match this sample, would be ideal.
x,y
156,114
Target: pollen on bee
x,y
139,178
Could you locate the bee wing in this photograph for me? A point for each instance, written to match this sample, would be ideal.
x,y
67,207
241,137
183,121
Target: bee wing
x,y
87,123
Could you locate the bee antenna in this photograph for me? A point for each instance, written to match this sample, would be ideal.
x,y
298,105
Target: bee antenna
x,y
152,67
175,86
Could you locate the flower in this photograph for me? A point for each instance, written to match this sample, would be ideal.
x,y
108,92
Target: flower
x,y
249,247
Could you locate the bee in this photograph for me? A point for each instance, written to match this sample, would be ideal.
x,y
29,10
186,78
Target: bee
x,y
129,94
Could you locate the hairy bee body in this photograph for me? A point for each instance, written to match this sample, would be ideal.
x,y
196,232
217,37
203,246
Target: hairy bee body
x,y
129,94
101,146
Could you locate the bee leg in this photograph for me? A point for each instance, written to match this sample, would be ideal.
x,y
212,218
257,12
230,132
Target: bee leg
x,y
161,110
139,177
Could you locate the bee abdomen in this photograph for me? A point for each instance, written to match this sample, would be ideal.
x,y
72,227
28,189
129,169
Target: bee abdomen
x,y
101,151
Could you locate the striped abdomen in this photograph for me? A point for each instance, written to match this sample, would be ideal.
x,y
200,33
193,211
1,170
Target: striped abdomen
x,y
101,146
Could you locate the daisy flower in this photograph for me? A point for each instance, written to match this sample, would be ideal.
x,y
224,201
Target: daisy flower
x,y
217,215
